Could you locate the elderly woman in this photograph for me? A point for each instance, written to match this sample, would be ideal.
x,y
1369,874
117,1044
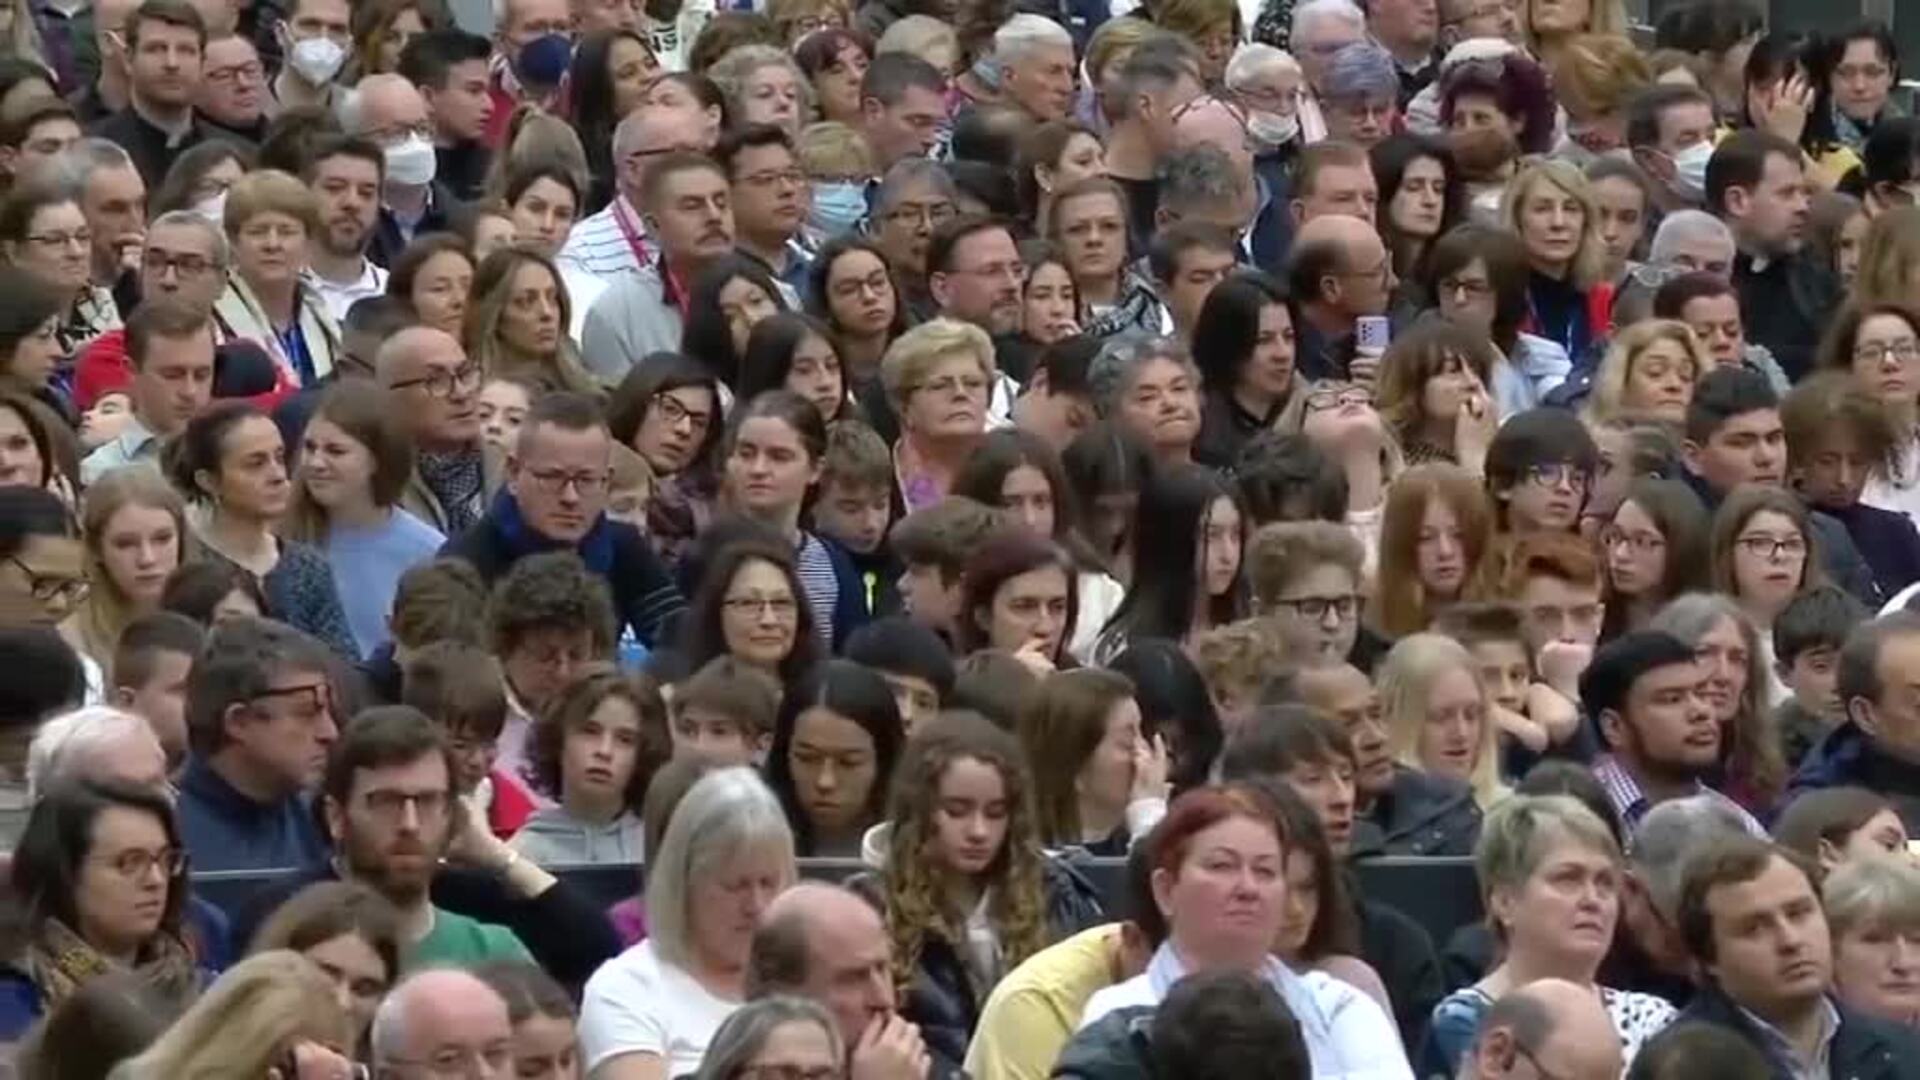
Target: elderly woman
x,y
1266,82
1649,371
1873,912
775,1036
764,86
939,378
270,219
651,1012
1360,95
1149,388
1550,873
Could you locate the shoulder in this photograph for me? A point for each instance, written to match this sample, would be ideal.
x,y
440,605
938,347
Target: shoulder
x,y
407,526
1137,991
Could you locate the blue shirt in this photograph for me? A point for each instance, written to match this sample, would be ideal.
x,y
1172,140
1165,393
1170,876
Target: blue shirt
x,y
227,830
367,564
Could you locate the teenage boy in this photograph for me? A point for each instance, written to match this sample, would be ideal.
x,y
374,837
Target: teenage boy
x,y
1838,435
933,545
913,660
460,687
151,663
442,600
725,714
1236,661
1807,637
855,506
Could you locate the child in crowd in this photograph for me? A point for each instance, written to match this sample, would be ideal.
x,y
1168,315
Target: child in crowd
x,y
595,752
149,676
630,488
725,713
1807,637
503,408
1526,710
443,600
1237,661
854,507
913,660
460,687
933,545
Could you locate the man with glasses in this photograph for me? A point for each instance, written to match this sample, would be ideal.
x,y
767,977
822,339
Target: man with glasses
x,y
43,575
1339,271
437,391
915,198
442,1023
556,499
232,97
975,275
389,112
771,198
1305,577
165,39
170,347
1548,1029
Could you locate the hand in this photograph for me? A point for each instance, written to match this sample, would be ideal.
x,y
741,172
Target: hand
x,y
889,1049
1034,655
472,844
1520,727
1553,711
311,1061
1149,769
132,248
1474,427
1561,664
1364,368
1787,106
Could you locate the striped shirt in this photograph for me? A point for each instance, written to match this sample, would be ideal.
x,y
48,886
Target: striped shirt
x,y
600,245
822,584
1632,804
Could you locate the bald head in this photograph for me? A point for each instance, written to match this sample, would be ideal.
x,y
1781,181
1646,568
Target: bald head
x,y
404,355
1210,121
417,362
1339,262
823,942
386,108
437,1012
1551,1027
648,132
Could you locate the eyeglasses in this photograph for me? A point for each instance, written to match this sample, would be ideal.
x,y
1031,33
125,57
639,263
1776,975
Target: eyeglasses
x,y
675,413
249,72
781,607
1323,400
1640,543
1770,547
556,481
770,177
1474,288
82,238
310,703
1877,352
158,262
47,588
1857,72
135,864
933,214
392,805
951,385
1316,607
1552,476
441,383
1015,272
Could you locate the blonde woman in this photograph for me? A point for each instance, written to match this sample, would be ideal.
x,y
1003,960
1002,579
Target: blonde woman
x,y
926,37
1550,205
270,219
516,323
940,378
273,1014
764,86
1438,716
1889,270
135,529
1649,371
1550,24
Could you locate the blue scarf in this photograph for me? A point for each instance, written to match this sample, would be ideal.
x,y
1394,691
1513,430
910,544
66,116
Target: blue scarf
x,y
595,549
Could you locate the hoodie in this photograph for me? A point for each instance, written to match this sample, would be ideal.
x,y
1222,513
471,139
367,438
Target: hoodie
x,y
553,837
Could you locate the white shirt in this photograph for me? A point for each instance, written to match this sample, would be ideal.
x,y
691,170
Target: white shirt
x,y
338,297
638,1003
600,245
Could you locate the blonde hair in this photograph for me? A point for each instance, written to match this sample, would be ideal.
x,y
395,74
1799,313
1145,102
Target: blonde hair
x,y
737,65
630,468
1239,656
107,611
1889,258
830,148
918,35
1520,833
1115,38
1610,382
537,137
269,191
1603,17
252,1014
913,355
1406,682
1599,73
1880,892
1589,266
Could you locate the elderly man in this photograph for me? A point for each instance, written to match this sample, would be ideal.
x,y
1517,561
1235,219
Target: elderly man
x,y
1321,28
389,112
1267,81
532,43
114,200
614,240
441,1015
95,743
1257,215
1154,83
1549,1027
914,198
1464,20
1670,130
233,88
1035,55
1648,953
1358,94
1339,271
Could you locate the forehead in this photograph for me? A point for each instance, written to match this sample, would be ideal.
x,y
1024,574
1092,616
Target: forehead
x,y
232,49
1668,677
178,237
699,180
1722,306
1779,884
1757,422
772,153
391,102
985,243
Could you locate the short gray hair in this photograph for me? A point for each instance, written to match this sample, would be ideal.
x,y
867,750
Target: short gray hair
x,y
908,171
60,744
1198,177
1683,225
1363,70
1666,839
79,161
1114,368
1023,33
728,811
194,219
730,73
748,1029
1345,10
1520,831
1878,892
388,1036
1254,58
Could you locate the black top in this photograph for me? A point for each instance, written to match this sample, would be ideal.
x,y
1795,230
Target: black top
x,y
151,149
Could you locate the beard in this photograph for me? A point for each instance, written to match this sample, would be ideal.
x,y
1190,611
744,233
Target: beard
x,y
374,864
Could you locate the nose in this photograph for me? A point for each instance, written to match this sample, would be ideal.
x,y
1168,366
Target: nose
x,y
603,746
410,815
325,730
828,778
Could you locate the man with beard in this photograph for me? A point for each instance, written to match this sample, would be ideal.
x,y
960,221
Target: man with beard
x,y
974,275
164,43
1646,692
345,173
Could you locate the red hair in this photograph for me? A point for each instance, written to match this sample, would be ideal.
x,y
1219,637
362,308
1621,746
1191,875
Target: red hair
x,y
1201,809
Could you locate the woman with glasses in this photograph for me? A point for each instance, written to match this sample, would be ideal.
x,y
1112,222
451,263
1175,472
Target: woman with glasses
x,y
753,607
44,233
1855,73
938,379
788,1038
852,290
1438,716
270,217
1653,549
1540,470
1478,277
1190,529
667,409
1648,372
135,529
231,464
1878,343
355,460
100,878
516,324
1840,438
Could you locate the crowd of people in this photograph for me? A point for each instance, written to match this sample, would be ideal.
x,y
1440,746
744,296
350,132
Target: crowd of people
x,y
990,515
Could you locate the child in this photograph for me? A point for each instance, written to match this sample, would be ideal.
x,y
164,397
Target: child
x,y
149,676
630,489
443,600
503,408
1237,661
460,687
595,751
854,506
913,660
1807,637
933,545
725,713
1528,712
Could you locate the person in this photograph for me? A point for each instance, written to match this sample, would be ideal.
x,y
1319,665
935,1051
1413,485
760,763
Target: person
x,y
1551,207
835,743
274,1010
171,352
1831,827
796,352
147,676
134,528
1760,551
1099,781
1755,183
654,1010
594,750
543,1016
1649,370
1807,638
1550,870
1338,271
164,46
769,197
270,219
666,409
726,301
442,1015
546,620
900,106
1764,985
854,290
777,1035
1862,751
1054,156
1840,441
349,932
1305,579
1150,388
938,378
1655,548
1155,80
449,66
752,607
1878,345
1856,70
1187,517
434,384
724,714
1435,707
1243,342
99,872
1738,687
345,174
1432,393
518,322
1434,533
835,64
1548,1024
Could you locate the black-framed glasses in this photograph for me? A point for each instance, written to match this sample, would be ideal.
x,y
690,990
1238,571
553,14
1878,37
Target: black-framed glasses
x,y
1768,547
135,864
1905,351
309,702
1316,607
47,588
557,481
675,413
442,383
188,265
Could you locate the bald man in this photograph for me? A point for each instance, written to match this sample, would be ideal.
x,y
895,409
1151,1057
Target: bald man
x,y
822,942
1339,271
441,1014
1549,1027
438,391
613,240
389,111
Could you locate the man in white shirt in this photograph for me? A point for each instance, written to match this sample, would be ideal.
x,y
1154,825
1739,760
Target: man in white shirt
x,y
345,173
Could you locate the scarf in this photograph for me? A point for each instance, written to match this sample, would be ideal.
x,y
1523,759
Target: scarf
x,y
595,549
1847,131
60,962
455,479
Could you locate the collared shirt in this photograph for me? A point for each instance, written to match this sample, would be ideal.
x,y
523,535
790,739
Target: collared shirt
x,y
134,444
151,148
1632,804
1785,1052
610,242
338,297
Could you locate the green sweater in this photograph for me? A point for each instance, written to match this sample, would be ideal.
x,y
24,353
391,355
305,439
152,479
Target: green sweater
x,y
457,941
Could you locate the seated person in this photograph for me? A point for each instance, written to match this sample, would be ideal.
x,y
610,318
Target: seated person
x,y
1838,436
913,660
151,663
594,753
460,687
1807,637
1531,715
933,545
1237,661
724,713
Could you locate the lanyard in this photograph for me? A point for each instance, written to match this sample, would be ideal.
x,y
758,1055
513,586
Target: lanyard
x,y
627,230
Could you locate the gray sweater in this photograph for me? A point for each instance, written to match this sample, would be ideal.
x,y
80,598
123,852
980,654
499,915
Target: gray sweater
x,y
553,837
628,321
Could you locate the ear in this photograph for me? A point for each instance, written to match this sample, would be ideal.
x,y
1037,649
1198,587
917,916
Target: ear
x,y
1330,289
1162,882
1690,455
937,288
1860,711
1297,210
1043,176
1738,201
1162,217
1500,903
1613,727
1827,855
230,719
206,481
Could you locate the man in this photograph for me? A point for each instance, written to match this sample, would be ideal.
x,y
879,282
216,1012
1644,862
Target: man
x,y
259,724
171,350
1321,28
532,43
1359,95
1646,692
1154,84
450,69
1670,129
1694,241
1204,203
389,112
547,619
232,98
149,670
111,90
164,42
114,200
1463,20
1552,580
37,134
556,497
437,390
914,198
345,173
1035,55
974,274
441,1015
1751,918
43,574
902,102
1334,178
613,241
771,198
183,263
594,16
686,206
1878,739
1409,31
1339,271
1648,954
1054,404
316,39
1710,307
825,944
1757,184
1251,209
1546,1028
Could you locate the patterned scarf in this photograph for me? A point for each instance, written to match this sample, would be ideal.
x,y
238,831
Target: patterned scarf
x,y
456,480
60,962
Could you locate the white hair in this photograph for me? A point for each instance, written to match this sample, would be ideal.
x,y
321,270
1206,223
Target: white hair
x,y
1253,59
61,743
1025,32
1345,10
725,813
1666,839
1682,226
388,1037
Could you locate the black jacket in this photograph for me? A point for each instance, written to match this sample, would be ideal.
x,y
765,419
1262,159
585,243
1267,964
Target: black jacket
x,y
1863,1048
1402,953
1786,306
1848,756
1422,815
1118,1046
389,240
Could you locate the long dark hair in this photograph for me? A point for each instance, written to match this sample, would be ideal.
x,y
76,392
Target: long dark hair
x,y
590,92
1004,555
703,635
983,476
59,838
655,374
1174,506
822,269
1228,326
1174,703
769,356
858,693
707,337
202,444
1391,158
1336,922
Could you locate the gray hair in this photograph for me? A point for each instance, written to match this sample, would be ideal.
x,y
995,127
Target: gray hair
x,y
1878,892
1692,616
1024,33
60,744
731,71
1363,70
79,161
1521,831
1666,839
194,219
1683,225
909,171
1200,177
1345,10
748,1029
727,812
1114,368
1253,59
388,1036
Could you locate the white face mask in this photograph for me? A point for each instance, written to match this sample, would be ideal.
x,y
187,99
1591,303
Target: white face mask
x,y
316,60
1690,170
213,209
1273,129
411,163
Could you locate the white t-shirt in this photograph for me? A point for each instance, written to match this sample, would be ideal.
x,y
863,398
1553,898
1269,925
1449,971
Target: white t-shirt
x,y
638,1003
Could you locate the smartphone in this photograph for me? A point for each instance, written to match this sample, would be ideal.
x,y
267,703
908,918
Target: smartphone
x,y
1372,333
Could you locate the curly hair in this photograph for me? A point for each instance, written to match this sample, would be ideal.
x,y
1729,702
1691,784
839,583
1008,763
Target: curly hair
x,y
550,591
916,884
546,743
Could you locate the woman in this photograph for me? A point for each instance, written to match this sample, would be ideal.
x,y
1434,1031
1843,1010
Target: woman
x,y
1551,207
753,607
775,1036
270,218
1478,276
1550,875
1653,549
100,877
382,29
545,1044
1219,881
1319,925
1436,712
1855,73
1873,911
1433,534
1420,199
607,80
348,931
1192,528
516,323
30,339
1623,194
1339,419
593,753
667,409
1052,157
649,1013
1836,228
1649,371
1050,309
543,198
1176,704
1548,23
1432,393
433,277
797,353
835,743
35,449
1740,686
1243,341
834,61
1100,781
43,232
272,1014
200,178
772,459
1017,596
1762,552
728,299
355,460
1830,827
1105,467
1878,343
1088,220
938,378
232,466
763,86
135,529
851,288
